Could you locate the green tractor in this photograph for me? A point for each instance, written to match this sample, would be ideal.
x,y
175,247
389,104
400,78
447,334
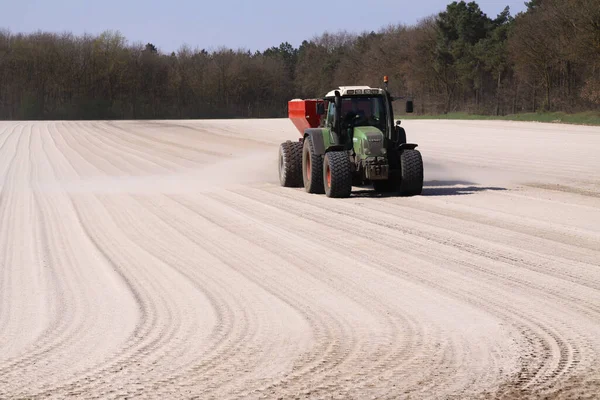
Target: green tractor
x,y
348,139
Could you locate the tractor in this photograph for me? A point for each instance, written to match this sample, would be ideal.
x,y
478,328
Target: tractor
x,y
349,138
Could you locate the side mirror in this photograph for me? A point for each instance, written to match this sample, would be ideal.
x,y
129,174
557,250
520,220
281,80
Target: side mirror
x,y
409,106
321,108
398,122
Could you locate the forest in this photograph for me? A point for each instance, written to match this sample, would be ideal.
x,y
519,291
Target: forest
x,y
546,58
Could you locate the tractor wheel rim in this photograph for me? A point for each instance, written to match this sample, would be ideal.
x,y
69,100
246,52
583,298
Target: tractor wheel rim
x,y
308,168
328,176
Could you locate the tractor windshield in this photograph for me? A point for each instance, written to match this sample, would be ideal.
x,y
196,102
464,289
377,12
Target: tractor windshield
x,y
364,111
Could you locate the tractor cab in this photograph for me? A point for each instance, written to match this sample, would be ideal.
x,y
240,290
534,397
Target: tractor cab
x,y
359,106
354,111
359,111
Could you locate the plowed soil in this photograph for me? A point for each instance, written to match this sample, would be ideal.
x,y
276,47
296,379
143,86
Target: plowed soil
x,y
161,259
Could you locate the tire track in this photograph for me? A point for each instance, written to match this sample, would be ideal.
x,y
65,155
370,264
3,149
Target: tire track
x,y
236,344
510,230
160,322
173,148
548,336
78,309
12,368
320,322
112,144
7,204
294,257
13,215
401,366
66,324
229,323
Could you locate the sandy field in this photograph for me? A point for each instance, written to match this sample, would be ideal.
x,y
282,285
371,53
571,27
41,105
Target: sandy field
x,y
161,259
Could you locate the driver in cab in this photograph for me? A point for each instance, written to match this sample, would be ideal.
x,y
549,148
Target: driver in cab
x,y
355,111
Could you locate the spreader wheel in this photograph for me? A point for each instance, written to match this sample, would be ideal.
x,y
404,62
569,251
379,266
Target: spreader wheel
x,y
290,164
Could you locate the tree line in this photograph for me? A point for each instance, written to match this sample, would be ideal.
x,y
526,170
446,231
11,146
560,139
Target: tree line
x,y
546,58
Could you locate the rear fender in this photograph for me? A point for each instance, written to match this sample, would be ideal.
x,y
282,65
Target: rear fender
x,y
318,142
407,146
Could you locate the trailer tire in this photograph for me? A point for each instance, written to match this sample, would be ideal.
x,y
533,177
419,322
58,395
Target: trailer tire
x,y
312,168
290,164
411,170
337,174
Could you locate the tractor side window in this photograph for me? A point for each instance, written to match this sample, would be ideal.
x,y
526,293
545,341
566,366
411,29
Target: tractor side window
x,y
376,110
331,114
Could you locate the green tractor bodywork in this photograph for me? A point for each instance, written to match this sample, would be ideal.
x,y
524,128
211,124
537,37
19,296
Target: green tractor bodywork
x,y
356,143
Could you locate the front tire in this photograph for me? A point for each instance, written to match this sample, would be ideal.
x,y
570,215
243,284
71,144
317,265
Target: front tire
x,y
411,169
337,174
312,168
290,164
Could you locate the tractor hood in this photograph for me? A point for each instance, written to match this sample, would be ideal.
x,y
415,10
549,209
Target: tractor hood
x,y
368,141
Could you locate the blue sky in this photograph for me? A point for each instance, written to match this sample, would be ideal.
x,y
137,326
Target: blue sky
x,y
252,25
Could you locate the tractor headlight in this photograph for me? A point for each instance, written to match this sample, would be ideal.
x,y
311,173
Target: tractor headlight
x,y
384,151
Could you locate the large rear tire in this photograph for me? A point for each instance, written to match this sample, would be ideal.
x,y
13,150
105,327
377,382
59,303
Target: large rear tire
x,y
290,164
337,174
411,169
312,168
